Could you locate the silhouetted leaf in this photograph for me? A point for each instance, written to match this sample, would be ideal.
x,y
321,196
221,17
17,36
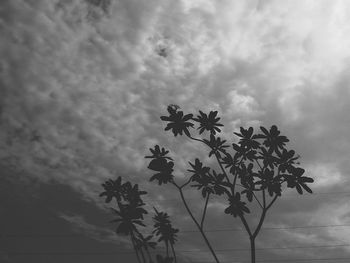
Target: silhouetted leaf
x,y
236,207
198,170
163,228
158,153
165,169
162,177
208,122
112,189
272,139
216,144
178,122
248,140
296,180
128,217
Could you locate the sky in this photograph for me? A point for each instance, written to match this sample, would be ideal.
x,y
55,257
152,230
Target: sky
x,y
84,82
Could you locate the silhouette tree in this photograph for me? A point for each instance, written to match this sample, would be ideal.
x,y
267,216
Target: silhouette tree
x,y
256,169
130,213
145,243
165,231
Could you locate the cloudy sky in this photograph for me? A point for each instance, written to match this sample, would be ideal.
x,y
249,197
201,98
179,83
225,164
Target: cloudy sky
x,y
82,86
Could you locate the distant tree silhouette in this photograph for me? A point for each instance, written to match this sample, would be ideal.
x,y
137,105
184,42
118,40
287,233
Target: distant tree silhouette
x,y
165,231
130,217
255,169
145,243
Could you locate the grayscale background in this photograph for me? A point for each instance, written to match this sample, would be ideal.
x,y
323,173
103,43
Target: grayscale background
x,y
84,82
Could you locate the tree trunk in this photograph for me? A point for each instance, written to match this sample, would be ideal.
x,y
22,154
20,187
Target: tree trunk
x,y
134,245
252,249
142,255
149,255
172,248
167,249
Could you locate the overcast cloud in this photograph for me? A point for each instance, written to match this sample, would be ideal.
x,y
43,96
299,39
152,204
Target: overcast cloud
x,y
83,83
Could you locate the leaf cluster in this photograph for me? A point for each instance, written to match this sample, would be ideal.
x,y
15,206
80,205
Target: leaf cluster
x,y
162,164
256,162
163,228
130,213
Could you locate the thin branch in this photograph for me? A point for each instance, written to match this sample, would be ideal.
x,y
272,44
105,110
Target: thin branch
x,y
234,183
273,200
135,248
195,139
262,217
142,255
259,164
245,225
205,210
261,221
175,184
264,198
167,248
217,158
196,222
148,254
174,254
256,198
188,181
236,175
222,168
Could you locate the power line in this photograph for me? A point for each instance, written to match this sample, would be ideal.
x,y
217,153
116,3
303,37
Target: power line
x,y
300,259
115,253
265,228
345,193
281,260
178,250
53,235
270,248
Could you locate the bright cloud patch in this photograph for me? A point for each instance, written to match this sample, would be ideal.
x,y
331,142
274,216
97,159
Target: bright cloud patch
x,y
325,175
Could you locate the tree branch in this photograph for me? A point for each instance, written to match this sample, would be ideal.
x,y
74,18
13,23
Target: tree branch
x,y
217,158
196,222
205,210
132,237
271,203
183,185
246,226
261,221
258,201
195,139
256,160
236,175
222,168
264,198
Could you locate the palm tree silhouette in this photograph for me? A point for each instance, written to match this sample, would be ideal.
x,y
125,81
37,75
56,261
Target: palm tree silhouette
x,y
128,217
145,243
165,231
129,213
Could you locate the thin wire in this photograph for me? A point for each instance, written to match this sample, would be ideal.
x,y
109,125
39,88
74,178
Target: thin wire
x,y
182,231
280,260
300,259
270,248
115,253
286,195
179,250
265,228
